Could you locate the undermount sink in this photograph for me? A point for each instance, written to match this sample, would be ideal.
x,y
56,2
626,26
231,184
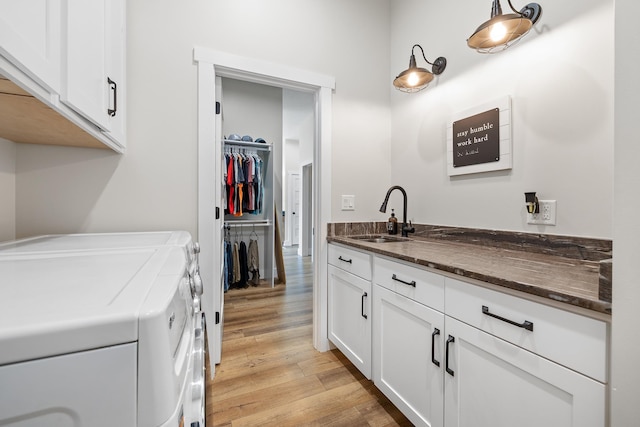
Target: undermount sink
x,y
380,238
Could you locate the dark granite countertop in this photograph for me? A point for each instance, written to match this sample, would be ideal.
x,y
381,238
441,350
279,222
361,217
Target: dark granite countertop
x,y
528,267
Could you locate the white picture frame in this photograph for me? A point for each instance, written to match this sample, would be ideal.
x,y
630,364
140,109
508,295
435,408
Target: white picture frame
x,y
505,159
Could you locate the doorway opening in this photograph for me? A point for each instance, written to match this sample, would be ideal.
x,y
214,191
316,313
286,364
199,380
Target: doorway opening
x,y
212,64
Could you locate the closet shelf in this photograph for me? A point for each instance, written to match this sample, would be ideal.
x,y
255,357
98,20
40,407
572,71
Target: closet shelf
x,y
241,222
245,144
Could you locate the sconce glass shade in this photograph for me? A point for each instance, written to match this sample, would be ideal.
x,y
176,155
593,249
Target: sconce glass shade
x,y
414,78
503,31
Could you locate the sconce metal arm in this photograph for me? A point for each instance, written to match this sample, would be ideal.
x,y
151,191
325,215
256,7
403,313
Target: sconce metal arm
x,y
438,65
531,11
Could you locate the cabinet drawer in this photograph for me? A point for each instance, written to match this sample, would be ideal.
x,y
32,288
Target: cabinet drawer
x,y
572,340
355,262
420,285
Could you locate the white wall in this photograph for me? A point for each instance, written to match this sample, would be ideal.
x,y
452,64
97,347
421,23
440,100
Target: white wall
x,y
153,185
298,120
252,109
298,117
625,379
291,160
560,79
7,190
562,144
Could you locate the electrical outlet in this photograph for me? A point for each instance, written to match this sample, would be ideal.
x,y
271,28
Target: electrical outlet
x,y
348,202
547,215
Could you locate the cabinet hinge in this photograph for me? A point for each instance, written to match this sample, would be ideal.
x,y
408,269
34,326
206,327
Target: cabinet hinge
x,y
217,317
217,107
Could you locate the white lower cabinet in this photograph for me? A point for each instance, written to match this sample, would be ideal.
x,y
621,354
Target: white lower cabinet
x,y
350,317
408,356
490,382
453,354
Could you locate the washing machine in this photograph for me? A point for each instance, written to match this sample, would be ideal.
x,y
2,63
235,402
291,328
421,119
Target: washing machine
x,y
101,330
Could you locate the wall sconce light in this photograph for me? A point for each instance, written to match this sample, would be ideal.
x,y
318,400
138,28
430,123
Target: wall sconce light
x,y
414,79
502,31
531,200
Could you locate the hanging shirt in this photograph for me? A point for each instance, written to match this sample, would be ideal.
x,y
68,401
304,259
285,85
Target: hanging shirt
x,y
254,262
244,270
230,185
225,270
236,263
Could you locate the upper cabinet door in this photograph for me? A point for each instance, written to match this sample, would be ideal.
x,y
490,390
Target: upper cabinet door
x,y
86,88
115,21
30,37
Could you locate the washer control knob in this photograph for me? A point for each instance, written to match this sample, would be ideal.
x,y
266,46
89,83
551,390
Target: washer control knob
x,y
196,247
196,284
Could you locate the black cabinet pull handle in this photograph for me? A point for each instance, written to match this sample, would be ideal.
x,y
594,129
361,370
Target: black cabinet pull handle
x,y
412,283
525,325
446,357
113,86
345,260
362,305
436,331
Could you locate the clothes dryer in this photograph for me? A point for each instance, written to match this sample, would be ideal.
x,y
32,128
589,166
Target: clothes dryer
x,y
100,333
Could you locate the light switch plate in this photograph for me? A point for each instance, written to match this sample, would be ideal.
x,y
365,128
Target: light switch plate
x,y
348,202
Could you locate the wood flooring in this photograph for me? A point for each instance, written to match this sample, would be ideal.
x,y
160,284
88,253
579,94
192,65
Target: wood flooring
x,y
271,375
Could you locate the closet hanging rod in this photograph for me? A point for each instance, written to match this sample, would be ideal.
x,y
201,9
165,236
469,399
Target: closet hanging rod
x,y
240,223
241,144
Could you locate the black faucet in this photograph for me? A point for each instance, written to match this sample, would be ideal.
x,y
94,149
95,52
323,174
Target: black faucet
x,y
406,228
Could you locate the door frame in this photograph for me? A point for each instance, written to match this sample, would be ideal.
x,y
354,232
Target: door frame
x,y
306,229
211,63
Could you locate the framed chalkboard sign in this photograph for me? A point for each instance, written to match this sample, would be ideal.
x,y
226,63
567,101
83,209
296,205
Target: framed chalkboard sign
x,y
476,139
479,139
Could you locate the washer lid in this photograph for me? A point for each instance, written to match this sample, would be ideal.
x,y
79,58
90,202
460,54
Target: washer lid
x,y
60,303
95,241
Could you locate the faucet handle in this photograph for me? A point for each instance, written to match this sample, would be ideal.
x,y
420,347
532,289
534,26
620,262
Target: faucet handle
x,y
406,229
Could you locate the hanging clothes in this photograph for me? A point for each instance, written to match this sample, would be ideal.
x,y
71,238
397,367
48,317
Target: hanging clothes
x,y
236,264
241,262
254,262
244,269
230,186
225,267
228,260
244,188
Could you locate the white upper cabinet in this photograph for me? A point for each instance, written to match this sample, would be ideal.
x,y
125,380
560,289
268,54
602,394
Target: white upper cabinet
x,y
85,87
70,56
30,37
115,14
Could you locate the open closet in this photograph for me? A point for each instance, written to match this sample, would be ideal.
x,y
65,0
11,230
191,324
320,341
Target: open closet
x,y
248,202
